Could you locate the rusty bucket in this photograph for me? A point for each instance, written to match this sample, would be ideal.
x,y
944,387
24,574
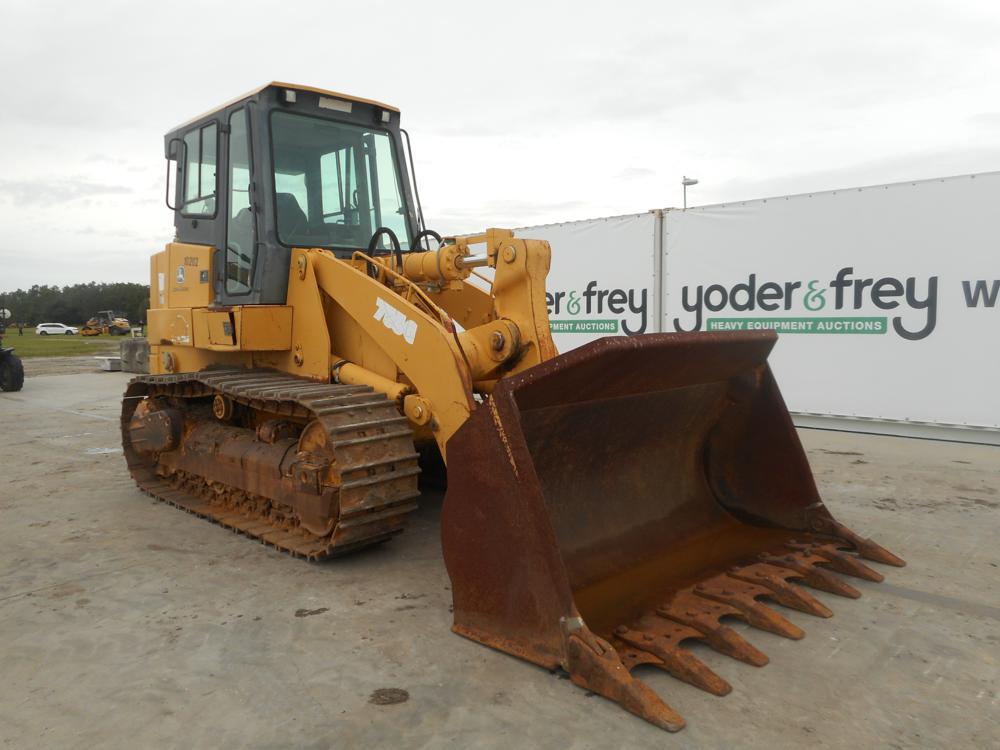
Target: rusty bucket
x,y
620,499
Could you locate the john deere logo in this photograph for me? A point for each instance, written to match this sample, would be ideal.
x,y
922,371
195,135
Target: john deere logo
x,y
846,293
180,274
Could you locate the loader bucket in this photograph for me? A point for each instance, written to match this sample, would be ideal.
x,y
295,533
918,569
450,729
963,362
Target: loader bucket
x,y
612,503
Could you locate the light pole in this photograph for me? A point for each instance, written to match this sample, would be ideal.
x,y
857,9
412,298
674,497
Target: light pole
x,y
686,181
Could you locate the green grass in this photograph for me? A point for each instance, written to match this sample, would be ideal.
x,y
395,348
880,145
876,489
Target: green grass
x,y
32,345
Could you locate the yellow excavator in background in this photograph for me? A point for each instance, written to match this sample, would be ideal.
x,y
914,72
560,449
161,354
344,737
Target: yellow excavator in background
x,y
603,506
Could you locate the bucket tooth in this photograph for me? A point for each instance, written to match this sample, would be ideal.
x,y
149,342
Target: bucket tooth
x,y
876,552
703,615
742,597
663,641
775,580
634,657
806,568
840,561
594,665
866,548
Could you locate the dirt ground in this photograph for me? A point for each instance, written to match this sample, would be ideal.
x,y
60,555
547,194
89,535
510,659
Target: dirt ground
x,y
60,365
127,623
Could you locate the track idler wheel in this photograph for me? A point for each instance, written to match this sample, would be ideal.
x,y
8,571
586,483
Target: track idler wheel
x,y
155,431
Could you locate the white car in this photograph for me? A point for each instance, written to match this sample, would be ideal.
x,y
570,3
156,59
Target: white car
x,y
44,329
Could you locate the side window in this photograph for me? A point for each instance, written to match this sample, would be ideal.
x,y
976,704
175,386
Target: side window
x,y
199,170
385,199
240,236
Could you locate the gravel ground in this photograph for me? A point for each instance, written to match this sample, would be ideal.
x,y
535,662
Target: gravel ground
x,y
60,365
128,623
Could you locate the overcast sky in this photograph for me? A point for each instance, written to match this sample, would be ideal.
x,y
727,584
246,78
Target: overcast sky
x,y
521,112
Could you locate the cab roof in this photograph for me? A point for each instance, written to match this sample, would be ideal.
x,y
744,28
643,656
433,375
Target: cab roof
x,y
283,85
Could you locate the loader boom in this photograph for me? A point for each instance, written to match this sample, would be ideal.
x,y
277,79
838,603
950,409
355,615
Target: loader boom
x,y
444,368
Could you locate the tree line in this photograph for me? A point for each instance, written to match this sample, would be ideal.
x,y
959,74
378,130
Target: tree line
x,y
74,305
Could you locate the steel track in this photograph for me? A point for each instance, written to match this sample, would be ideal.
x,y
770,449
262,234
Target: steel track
x,y
372,448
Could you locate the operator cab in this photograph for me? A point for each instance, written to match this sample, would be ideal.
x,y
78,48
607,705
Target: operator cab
x,y
288,166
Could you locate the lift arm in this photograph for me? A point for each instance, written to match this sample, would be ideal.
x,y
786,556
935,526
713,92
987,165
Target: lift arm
x,y
410,313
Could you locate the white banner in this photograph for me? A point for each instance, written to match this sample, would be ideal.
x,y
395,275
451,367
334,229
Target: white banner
x,y
603,280
886,299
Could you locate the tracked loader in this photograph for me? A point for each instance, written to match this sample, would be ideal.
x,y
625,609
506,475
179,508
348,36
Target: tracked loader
x,y
309,336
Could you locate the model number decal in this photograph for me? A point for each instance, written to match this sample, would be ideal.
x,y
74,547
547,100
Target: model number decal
x,y
395,321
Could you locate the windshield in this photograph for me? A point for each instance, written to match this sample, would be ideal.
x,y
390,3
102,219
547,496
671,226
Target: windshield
x,y
335,183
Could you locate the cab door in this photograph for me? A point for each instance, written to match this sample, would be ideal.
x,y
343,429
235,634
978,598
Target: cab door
x,y
239,252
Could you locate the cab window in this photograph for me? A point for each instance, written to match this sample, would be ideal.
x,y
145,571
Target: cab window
x,y
335,183
199,171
